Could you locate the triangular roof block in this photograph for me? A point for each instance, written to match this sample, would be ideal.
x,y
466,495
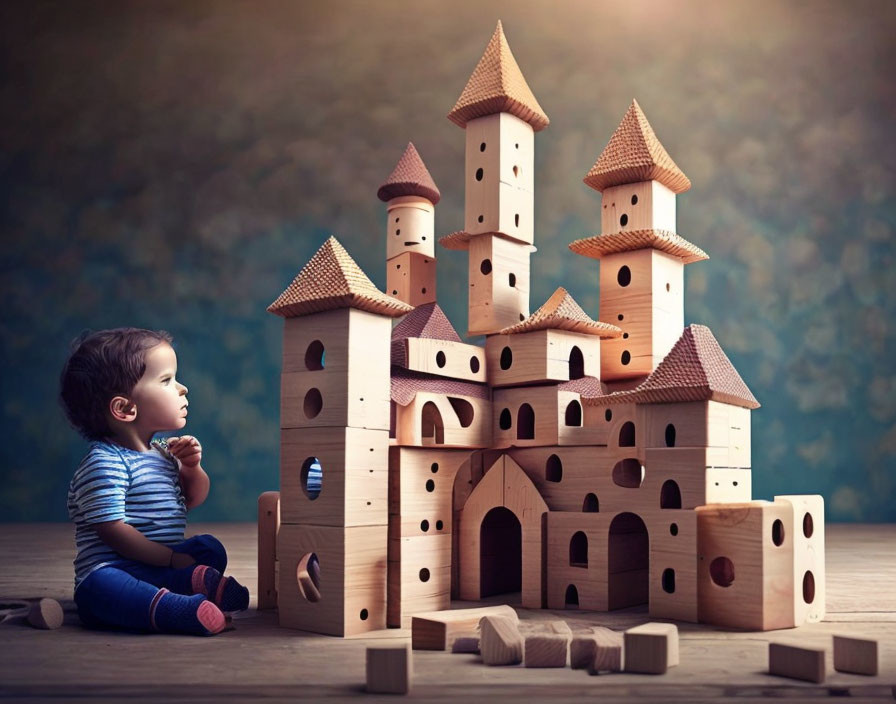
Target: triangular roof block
x,y
404,386
428,321
634,154
696,369
497,85
410,177
561,312
332,279
599,246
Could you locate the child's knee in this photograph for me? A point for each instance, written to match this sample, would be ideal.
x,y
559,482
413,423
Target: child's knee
x,y
210,552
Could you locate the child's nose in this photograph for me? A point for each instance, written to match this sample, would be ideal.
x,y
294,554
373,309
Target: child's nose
x,y
183,389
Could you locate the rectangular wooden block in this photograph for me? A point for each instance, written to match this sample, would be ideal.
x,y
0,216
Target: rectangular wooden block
x,y
433,420
389,668
651,648
419,577
500,641
540,356
410,228
745,574
699,474
455,360
468,643
499,284
354,481
268,527
545,650
411,277
796,662
809,574
673,565
647,205
319,387
351,587
530,415
650,313
434,630
608,651
421,486
724,427
856,655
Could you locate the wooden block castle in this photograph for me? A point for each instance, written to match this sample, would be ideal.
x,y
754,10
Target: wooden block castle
x,y
576,463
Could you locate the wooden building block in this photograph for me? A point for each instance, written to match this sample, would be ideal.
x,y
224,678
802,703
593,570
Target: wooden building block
x,y
745,565
545,650
46,614
581,650
720,426
651,648
809,575
641,292
856,655
673,565
410,228
354,481
268,527
389,668
419,577
466,644
433,419
796,662
411,277
421,487
541,356
319,387
499,284
346,566
500,641
435,630
608,651
499,182
529,416
698,475
455,360
577,560
647,205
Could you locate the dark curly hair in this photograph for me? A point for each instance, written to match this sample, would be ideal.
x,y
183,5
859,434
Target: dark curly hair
x,y
101,366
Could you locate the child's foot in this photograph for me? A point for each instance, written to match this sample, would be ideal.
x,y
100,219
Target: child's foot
x,y
223,591
177,613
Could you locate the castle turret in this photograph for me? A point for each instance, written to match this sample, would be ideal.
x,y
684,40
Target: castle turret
x,y
500,115
642,258
410,195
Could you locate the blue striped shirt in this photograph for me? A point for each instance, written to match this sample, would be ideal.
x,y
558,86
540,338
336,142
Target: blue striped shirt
x,y
114,483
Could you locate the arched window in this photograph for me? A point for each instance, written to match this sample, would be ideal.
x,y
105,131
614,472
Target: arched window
x,y
627,434
525,423
670,495
433,430
591,504
578,550
574,414
576,363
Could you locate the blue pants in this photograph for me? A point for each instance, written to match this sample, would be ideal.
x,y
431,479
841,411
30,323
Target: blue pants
x,y
120,595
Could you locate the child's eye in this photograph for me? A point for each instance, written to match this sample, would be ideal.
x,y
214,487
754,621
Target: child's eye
x,y
166,380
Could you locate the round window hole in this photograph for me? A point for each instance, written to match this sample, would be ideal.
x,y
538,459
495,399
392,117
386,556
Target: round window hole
x,y
481,218
721,570
626,357
430,485
482,147
364,614
315,356
424,575
434,467
479,174
311,477
439,525
673,529
608,414
440,356
313,403
623,220
485,267
808,587
506,358
474,365
808,525
669,581
424,525
634,200
624,277
511,279
308,577
778,532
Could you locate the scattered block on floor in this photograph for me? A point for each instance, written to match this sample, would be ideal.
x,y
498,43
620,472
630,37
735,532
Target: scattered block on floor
x,y
608,651
389,668
434,630
651,648
46,614
468,643
546,650
796,662
500,641
856,655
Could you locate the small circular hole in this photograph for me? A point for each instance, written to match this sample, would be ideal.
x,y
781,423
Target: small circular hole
x,y
397,219
625,336
808,587
626,357
474,365
668,581
398,232
481,218
634,200
479,174
778,532
721,570
623,220
363,614
673,529
424,575
506,358
608,414
430,485
624,277
313,403
511,278
440,356
516,170
808,526
482,147
517,145
485,267
668,287
424,525
439,525
434,467
423,290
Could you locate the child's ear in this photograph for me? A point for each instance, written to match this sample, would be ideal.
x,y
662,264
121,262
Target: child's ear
x,y
123,409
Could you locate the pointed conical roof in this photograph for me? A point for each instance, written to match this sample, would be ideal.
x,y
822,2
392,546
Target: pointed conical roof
x,y
696,369
428,321
332,279
497,85
410,177
634,154
598,246
561,312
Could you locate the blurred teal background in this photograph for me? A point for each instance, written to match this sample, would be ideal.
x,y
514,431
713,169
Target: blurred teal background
x,y
174,164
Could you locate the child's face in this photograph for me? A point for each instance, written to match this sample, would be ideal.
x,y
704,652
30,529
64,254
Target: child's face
x,y
160,399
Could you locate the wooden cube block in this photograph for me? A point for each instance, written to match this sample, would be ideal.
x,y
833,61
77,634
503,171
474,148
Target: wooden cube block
x,y
349,578
651,648
443,420
536,416
500,641
421,486
545,650
466,644
699,474
268,527
411,277
856,655
745,573
435,630
319,386
419,577
410,228
454,360
389,668
608,651
807,529
673,565
540,356
499,284
796,662
647,205
334,476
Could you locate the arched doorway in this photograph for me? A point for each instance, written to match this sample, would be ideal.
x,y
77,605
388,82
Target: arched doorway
x,y
432,429
525,423
500,553
629,560
576,363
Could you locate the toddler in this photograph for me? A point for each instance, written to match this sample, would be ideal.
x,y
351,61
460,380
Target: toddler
x,y
130,495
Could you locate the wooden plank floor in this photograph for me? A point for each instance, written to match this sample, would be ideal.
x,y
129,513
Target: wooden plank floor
x,y
261,661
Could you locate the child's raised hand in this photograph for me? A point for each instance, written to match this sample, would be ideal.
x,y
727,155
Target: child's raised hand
x,y
186,449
